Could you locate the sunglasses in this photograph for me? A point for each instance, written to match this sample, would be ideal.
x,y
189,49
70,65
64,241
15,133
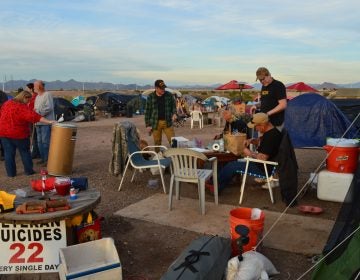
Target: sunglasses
x,y
261,80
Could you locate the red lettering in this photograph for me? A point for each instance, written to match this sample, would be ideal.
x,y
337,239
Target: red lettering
x,y
16,257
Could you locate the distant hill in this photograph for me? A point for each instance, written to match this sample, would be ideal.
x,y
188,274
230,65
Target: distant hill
x,y
76,85
327,85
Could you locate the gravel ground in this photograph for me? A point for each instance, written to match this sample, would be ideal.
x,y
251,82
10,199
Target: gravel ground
x,y
147,249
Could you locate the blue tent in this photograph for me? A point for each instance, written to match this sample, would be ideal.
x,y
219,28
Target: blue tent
x,y
310,118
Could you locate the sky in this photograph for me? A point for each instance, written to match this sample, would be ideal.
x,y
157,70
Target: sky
x,y
184,42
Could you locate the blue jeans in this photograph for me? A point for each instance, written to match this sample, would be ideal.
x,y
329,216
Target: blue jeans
x,y
10,146
43,137
229,171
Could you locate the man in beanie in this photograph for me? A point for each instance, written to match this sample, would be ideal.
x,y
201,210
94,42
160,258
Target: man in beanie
x,y
273,97
160,113
267,149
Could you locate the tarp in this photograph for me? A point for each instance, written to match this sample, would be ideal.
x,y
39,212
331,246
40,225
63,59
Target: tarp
x,y
63,106
310,118
350,108
113,103
120,98
78,100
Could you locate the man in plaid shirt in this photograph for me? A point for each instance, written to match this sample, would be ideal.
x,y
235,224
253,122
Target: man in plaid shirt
x,y
160,112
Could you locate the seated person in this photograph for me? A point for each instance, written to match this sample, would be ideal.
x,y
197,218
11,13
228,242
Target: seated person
x,y
268,147
233,123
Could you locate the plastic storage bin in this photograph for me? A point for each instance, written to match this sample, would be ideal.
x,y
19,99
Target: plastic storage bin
x,y
333,186
91,260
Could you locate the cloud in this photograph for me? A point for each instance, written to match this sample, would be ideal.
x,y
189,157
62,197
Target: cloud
x,y
186,41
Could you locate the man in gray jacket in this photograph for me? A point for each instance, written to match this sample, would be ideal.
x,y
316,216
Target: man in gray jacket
x,y
44,105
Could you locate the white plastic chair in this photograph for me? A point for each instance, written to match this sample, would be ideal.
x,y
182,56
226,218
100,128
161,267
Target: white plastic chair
x,y
267,177
197,116
138,162
185,169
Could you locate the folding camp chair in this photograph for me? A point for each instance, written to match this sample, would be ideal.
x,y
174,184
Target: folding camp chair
x,y
138,162
262,176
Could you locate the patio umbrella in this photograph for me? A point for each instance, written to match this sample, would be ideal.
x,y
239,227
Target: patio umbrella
x,y
234,85
301,87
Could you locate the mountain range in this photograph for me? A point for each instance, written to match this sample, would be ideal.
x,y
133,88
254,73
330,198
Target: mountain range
x,y
76,85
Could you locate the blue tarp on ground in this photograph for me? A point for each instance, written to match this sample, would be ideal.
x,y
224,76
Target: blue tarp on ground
x,y
310,118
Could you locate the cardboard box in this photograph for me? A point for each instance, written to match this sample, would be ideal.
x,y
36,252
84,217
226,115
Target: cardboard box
x,y
333,186
91,260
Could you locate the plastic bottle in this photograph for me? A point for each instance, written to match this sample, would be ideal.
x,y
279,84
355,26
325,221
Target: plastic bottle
x,y
43,173
221,143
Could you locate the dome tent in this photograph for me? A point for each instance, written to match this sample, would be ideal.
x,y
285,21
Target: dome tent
x,y
311,118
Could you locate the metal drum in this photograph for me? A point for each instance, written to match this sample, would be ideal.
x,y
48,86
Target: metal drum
x,y
61,151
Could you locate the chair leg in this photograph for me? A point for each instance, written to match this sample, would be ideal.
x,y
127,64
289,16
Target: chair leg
x,y
123,175
216,190
270,190
133,176
177,189
268,184
242,189
171,191
202,196
162,179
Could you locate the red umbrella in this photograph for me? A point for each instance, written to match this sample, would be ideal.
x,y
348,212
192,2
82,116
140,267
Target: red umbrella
x,y
234,85
301,87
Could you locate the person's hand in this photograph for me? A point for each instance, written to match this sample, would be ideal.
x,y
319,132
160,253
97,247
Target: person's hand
x,y
174,117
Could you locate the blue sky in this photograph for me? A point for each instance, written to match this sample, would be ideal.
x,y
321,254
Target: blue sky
x,y
184,42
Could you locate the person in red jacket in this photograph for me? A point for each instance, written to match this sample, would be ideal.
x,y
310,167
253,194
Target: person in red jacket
x,y
15,117
35,153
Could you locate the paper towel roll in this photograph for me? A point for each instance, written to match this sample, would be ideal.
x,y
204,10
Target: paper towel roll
x,y
216,147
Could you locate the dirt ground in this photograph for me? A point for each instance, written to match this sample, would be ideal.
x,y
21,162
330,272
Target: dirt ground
x,y
147,249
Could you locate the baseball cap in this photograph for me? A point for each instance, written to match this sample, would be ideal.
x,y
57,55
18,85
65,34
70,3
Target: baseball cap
x,y
261,73
160,84
258,118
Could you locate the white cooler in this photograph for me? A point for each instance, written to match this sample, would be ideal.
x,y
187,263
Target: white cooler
x,y
333,186
92,260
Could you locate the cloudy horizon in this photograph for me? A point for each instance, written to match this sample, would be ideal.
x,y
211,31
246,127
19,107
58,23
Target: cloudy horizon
x,y
182,42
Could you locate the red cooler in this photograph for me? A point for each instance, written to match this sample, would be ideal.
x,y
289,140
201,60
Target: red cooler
x,y
343,155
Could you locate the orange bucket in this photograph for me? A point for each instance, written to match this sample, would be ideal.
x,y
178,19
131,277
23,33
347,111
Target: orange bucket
x,y
242,216
342,159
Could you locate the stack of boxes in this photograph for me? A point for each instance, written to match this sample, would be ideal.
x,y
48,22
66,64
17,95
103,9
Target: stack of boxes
x,y
341,164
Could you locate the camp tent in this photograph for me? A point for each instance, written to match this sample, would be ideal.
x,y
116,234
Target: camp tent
x,y
113,103
310,118
342,249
